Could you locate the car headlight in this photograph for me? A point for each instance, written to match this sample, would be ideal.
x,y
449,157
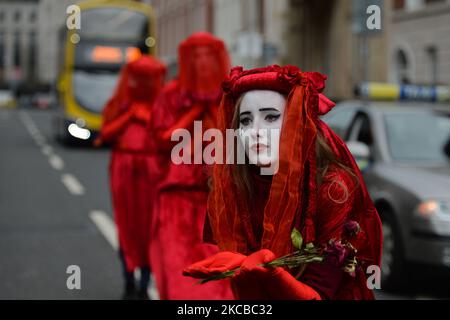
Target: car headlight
x,y
78,132
430,208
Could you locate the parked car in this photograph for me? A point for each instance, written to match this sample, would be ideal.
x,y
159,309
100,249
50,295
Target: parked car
x,y
7,99
403,151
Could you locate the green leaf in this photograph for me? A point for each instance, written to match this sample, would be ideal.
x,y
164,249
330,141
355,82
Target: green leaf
x,y
296,238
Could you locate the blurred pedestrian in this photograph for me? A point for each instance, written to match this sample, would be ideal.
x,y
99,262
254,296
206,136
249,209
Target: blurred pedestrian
x,y
133,172
314,190
182,193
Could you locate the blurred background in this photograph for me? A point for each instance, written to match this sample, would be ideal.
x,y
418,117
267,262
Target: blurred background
x,y
388,67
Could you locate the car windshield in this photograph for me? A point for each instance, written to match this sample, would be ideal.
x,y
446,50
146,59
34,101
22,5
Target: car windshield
x,y
93,89
418,137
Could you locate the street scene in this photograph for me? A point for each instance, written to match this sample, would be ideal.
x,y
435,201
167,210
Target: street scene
x,y
90,190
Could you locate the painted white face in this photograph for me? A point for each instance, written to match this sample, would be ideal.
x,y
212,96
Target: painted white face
x,y
260,120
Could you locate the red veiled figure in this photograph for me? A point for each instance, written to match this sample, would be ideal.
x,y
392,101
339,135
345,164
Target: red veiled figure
x,y
133,169
182,193
317,189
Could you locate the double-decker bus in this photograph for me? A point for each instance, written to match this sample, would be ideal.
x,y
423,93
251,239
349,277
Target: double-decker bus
x,y
111,33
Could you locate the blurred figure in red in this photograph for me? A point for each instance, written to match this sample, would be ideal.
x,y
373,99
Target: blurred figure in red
x,y
133,172
182,193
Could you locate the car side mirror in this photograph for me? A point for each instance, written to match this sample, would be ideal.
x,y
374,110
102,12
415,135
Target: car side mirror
x,y
361,153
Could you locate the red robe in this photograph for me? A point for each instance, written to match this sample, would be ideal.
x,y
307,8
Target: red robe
x,y
133,169
181,209
132,176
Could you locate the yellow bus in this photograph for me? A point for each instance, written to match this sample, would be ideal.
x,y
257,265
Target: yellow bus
x,y
110,33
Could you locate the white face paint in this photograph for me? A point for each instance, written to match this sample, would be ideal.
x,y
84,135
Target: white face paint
x,y
260,120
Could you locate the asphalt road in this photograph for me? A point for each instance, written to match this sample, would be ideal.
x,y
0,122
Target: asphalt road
x,y
45,220
55,212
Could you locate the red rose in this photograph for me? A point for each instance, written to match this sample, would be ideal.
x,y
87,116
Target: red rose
x,y
335,254
228,83
290,74
352,227
317,79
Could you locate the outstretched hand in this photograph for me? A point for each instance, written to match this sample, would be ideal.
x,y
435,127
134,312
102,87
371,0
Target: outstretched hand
x,y
218,263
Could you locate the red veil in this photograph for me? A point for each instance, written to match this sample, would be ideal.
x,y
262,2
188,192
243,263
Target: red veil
x,y
293,196
208,86
139,80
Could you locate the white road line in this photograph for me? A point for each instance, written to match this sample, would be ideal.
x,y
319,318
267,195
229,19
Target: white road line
x,y
72,184
106,226
39,139
32,128
56,162
47,150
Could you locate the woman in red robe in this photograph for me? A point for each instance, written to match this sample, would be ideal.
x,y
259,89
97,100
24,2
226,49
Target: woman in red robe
x,y
133,170
182,193
316,189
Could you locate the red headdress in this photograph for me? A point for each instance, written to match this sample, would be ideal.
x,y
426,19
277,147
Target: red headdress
x,y
205,52
294,191
139,80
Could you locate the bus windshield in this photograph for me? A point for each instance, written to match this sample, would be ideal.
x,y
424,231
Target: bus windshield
x,y
92,89
109,37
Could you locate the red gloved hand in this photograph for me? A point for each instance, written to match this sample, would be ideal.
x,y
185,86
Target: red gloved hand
x,y
112,129
185,122
249,282
218,263
141,112
253,282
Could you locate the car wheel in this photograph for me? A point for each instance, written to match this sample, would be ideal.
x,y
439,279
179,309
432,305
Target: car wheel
x,y
393,275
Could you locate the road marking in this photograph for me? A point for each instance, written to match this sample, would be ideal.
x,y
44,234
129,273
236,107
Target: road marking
x,y
32,129
106,226
72,184
56,162
40,140
47,150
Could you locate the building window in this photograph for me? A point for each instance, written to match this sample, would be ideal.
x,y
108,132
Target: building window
x,y
2,57
32,55
33,16
433,1
399,4
432,64
402,67
17,49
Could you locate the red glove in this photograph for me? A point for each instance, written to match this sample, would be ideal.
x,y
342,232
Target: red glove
x,y
185,122
218,263
141,112
112,129
254,282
